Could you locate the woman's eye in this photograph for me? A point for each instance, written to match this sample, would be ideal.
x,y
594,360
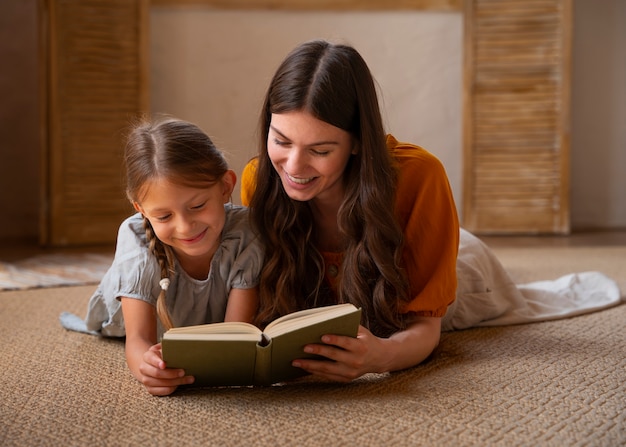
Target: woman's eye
x,y
278,142
320,153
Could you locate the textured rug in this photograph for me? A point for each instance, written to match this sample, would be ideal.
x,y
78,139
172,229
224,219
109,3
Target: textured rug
x,y
558,383
53,270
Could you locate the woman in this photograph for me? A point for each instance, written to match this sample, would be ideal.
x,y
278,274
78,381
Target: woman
x,y
349,214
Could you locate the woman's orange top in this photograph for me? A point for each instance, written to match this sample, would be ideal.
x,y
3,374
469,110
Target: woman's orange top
x,y
426,211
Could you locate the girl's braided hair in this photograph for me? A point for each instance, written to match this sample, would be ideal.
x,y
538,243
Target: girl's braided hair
x,y
176,150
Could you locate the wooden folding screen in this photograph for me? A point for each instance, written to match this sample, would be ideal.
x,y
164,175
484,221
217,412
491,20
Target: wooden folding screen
x,y
517,111
95,80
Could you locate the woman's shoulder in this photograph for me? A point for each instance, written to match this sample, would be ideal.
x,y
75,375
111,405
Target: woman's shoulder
x,y
250,167
411,156
248,180
416,166
423,184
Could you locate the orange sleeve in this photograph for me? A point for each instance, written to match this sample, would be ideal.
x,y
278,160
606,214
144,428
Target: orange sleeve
x,y
248,182
426,211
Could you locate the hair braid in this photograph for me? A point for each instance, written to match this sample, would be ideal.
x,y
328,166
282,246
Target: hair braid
x,y
165,258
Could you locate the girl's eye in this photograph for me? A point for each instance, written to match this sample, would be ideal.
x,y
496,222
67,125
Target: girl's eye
x,y
163,218
197,207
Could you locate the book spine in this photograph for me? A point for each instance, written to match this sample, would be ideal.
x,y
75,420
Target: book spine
x,y
263,363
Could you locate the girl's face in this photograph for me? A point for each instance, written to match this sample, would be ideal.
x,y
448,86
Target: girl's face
x,y
310,155
188,219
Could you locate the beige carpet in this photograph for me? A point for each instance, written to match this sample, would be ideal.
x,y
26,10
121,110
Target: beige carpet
x,y
560,383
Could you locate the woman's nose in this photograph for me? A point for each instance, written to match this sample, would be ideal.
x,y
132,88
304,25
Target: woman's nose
x,y
296,161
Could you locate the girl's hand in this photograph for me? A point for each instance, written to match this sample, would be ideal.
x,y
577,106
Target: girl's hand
x,y
156,377
353,357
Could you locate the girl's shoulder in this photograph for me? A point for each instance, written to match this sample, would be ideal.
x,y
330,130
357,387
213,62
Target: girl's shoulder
x,y
238,224
238,235
132,234
237,218
131,239
134,272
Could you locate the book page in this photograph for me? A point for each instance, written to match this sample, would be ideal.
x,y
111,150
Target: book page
x,y
215,331
257,337
307,317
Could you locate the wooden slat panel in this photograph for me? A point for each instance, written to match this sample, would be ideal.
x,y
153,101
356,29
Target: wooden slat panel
x,y
516,106
97,81
317,5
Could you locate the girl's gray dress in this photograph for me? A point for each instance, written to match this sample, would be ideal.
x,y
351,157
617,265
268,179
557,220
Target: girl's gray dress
x,y
135,273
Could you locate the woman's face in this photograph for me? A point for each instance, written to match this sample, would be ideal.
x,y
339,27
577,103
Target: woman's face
x,y
310,155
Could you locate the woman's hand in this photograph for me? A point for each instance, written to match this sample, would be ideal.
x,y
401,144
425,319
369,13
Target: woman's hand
x,y
353,357
156,377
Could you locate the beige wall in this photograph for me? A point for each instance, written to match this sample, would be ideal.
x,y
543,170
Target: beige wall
x,y
598,167
212,67
222,86
417,60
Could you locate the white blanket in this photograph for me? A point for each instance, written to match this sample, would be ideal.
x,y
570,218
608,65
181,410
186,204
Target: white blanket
x,y
487,296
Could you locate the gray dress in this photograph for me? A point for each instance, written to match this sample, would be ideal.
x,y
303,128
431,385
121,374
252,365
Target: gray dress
x,y
135,274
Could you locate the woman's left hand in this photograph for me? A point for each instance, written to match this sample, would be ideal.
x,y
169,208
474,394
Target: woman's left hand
x,y
351,357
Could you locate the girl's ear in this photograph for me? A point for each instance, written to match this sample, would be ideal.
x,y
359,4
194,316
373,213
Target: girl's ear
x,y
137,207
229,179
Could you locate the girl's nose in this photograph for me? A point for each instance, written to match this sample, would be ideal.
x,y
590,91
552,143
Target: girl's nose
x,y
184,224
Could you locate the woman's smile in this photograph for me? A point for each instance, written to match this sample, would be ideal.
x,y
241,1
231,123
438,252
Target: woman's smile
x,y
300,180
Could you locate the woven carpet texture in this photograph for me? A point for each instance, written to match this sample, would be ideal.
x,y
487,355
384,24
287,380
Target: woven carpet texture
x,y
558,383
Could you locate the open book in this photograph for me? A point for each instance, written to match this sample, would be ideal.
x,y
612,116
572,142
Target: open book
x,y
236,354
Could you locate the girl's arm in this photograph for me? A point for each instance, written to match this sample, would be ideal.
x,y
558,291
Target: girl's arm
x,y
143,354
243,305
353,357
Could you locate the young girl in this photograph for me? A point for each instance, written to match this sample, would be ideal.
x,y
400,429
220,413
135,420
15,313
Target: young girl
x,y
187,257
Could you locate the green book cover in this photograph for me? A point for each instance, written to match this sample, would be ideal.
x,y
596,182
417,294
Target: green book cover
x,y
239,354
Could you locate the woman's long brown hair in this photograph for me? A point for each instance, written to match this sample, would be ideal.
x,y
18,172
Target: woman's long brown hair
x,y
334,84
180,152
